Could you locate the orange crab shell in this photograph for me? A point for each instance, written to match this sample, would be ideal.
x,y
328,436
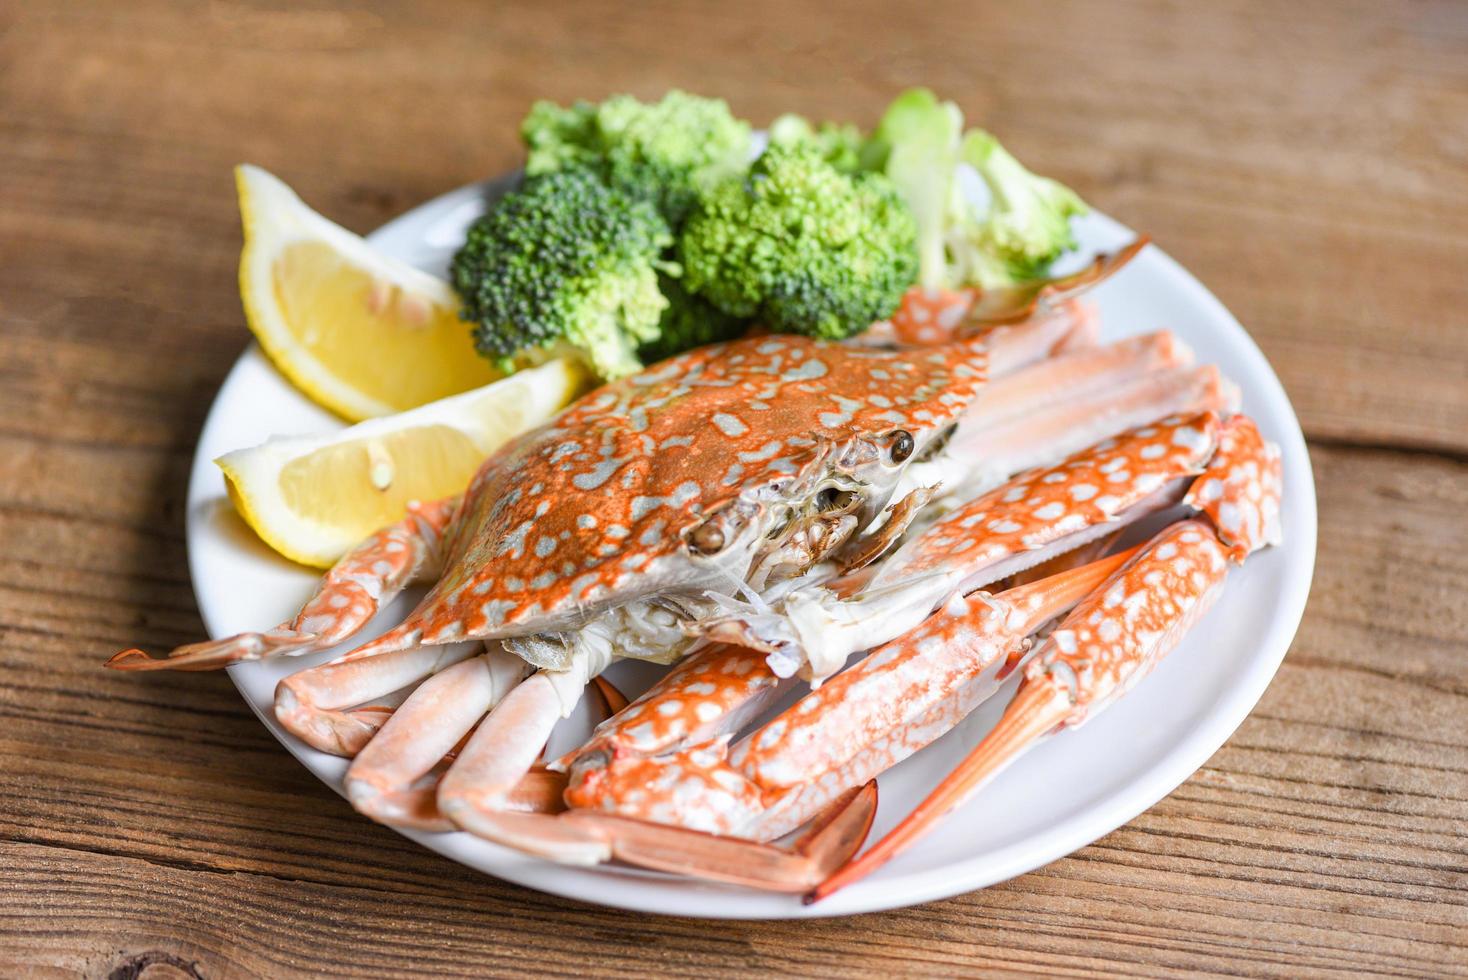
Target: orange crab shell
x,y
1241,489
595,507
1087,490
1108,642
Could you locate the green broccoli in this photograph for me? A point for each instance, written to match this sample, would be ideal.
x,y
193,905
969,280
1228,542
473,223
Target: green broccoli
x,y
1026,227
689,321
839,143
665,152
801,246
919,144
564,265
916,145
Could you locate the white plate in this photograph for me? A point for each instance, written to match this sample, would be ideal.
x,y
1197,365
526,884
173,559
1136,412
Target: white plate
x,y
1061,796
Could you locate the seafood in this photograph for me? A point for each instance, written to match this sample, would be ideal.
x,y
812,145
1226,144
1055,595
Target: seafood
x,y
771,506
656,762
667,758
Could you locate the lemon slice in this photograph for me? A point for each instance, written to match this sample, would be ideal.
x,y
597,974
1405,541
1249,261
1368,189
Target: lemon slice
x,y
312,498
360,333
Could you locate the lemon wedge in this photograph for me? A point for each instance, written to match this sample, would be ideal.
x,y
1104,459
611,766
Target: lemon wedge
x,y
360,333
312,498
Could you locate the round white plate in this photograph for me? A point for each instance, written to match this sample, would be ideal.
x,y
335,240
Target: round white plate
x,y
1064,794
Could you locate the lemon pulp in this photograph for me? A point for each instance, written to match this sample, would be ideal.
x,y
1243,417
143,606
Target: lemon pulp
x,y
359,332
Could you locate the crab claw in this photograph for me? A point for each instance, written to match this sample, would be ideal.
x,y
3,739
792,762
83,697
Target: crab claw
x,y
1111,640
1241,488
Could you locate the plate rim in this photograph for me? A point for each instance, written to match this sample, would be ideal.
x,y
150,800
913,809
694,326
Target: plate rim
x,y
1138,794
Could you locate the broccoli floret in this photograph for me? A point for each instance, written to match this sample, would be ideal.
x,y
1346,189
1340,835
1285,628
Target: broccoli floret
x,y
689,321
564,265
916,145
840,144
1026,227
919,144
665,152
801,246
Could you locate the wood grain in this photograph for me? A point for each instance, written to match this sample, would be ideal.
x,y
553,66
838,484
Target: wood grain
x,y
1312,169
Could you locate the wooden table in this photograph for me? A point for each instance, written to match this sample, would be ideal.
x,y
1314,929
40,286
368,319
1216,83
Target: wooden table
x,y
1308,162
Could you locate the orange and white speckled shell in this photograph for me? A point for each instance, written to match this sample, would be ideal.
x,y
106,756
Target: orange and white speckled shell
x,y
1116,635
702,690
928,316
1045,505
593,508
1241,489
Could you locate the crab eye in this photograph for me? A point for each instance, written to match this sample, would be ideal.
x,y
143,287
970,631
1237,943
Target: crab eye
x,y
902,446
707,538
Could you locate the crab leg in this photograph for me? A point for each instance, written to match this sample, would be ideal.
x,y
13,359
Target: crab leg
x,y
1024,301
937,316
1108,643
361,583
932,319
1053,431
477,793
1118,633
835,835
650,764
1031,519
484,790
1106,392
314,704
1086,371
439,713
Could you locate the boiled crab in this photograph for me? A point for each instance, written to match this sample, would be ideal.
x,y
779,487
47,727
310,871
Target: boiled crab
x,y
668,757
748,476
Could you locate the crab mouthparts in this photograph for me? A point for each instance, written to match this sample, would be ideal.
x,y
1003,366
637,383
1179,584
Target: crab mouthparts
x,y
809,531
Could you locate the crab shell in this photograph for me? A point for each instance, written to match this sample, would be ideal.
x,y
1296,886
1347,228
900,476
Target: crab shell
x,y
692,477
